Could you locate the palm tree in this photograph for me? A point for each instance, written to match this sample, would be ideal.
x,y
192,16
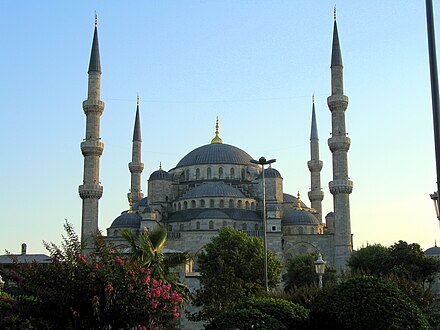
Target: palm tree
x,y
148,250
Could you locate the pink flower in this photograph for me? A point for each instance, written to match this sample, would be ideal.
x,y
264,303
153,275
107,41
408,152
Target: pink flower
x,y
142,270
96,266
119,260
108,288
146,280
154,304
81,258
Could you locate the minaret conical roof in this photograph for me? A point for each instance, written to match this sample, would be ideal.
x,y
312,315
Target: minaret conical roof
x,y
336,49
95,63
314,128
137,125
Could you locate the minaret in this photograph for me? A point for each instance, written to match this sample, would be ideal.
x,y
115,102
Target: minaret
x,y
136,166
341,187
91,190
316,195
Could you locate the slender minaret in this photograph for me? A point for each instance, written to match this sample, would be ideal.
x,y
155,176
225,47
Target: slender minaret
x,y
136,166
316,195
341,187
91,190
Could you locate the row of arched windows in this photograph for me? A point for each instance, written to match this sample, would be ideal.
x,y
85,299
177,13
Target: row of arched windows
x,y
302,230
244,226
221,174
221,204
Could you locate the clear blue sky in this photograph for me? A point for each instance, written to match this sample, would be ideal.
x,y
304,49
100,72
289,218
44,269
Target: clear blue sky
x,y
255,64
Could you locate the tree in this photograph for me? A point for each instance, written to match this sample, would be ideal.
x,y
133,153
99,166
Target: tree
x,y
101,290
301,272
373,259
231,270
366,302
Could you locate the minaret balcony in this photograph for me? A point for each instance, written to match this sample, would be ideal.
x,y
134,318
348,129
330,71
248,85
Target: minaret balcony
x,y
90,191
135,167
339,143
93,106
92,147
315,165
337,102
340,186
316,195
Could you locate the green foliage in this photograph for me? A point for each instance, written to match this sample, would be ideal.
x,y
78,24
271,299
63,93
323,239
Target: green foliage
x,y
98,291
401,259
232,269
366,302
292,316
301,272
245,319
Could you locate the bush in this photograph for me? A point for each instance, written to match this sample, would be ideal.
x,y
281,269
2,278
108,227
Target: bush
x,y
244,319
366,303
293,316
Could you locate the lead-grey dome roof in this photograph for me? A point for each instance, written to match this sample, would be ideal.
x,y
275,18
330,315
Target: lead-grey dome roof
x,y
299,217
160,175
216,153
271,173
433,251
127,220
213,189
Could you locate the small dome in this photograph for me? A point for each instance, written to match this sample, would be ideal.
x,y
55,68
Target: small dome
x,y
213,189
142,203
127,220
299,217
330,214
287,198
160,175
433,251
271,173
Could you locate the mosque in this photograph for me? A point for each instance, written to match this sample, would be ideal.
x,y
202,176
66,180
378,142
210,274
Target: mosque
x,y
218,185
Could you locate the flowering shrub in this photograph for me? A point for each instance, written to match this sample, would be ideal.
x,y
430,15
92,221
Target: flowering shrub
x,y
102,290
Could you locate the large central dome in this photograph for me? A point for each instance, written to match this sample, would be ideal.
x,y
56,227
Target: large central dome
x,y
216,153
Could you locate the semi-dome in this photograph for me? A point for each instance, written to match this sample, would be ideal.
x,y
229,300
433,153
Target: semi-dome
x,y
213,189
299,217
216,153
142,203
160,174
127,220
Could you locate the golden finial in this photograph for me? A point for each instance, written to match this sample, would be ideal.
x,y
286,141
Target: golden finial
x,y
160,166
96,19
298,202
216,139
334,13
137,100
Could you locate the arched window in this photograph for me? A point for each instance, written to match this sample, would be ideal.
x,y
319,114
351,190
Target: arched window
x,y
244,226
224,224
239,204
231,203
198,225
208,173
220,172
247,205
115,232
300,230
193,204
175,207
253,206
211,224
211,203
202,203
222,203
197,173
181,227
185,205
232,171
170,228
256,227
312,231
179,206
187,175
243,174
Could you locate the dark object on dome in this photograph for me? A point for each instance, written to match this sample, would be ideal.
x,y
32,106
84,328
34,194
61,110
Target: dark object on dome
x,y
299,217
216,153
127,220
